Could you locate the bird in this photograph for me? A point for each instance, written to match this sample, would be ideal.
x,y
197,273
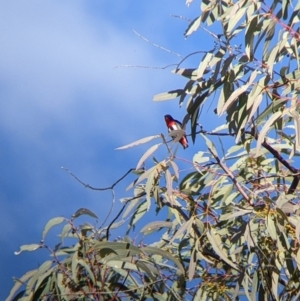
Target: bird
x,y
175,125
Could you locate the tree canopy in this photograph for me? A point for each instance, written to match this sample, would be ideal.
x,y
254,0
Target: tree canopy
x,y
232,222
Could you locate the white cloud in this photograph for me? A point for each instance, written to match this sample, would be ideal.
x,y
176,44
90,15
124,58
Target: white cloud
x,y
52,53
63,103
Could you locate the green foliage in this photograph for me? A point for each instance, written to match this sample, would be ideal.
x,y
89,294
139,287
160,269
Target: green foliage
x,y
233,225
96,269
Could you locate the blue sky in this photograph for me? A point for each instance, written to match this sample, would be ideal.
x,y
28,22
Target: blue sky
x,y
64,104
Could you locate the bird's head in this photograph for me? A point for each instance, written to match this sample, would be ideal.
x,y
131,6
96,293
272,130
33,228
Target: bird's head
x,y
168,118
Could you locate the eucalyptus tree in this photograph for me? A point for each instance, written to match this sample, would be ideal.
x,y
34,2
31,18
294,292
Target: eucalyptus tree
x,y
232,222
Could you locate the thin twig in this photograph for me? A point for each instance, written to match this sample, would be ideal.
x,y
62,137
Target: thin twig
x,y
156,45
103,189
213,133
181,17
121,286
110,209
166,143
96,188
276,155
146,67
231,176
122,209
190,54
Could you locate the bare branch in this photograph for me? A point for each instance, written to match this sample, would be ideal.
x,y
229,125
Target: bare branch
x,y
146,67
95,188
103,189
156,45
181,17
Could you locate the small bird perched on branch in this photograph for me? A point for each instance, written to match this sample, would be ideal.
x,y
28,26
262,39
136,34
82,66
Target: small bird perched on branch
x,y
175,125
